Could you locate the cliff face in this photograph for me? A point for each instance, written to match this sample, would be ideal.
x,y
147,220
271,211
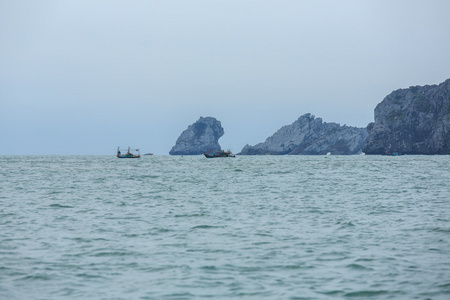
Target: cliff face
x,y
201,136
412,121
309,135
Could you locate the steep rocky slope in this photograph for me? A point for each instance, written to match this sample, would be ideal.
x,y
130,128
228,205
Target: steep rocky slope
x,y
309,135
201,136
412,121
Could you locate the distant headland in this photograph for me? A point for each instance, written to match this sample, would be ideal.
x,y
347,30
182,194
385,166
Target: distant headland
x,y
415,120
310,136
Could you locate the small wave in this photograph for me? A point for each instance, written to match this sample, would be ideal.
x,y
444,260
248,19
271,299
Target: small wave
x,y
293,267
332,256
445,285
37,277
87,240
161,230
434,249
60,206
189,215
366,293
204,227
149,176
440,229
332,293
7,215
442,220
261,243
87,275
345,224
358,267
131,235
115,253
185,295
365,259
209,268
54,192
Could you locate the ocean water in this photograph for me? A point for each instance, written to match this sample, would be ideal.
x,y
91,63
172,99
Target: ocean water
x,y
250,227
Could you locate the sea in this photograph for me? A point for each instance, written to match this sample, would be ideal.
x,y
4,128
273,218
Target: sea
x,y
249,227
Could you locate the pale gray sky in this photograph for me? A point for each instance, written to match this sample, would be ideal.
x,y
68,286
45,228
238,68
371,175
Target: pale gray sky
x,y
83,77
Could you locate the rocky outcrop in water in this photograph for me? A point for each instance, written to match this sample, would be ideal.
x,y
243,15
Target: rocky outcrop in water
x,y
412,121
201,136
309,135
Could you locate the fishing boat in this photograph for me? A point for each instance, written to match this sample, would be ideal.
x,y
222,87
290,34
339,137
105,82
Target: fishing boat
x,y
397,154
220,153
129,154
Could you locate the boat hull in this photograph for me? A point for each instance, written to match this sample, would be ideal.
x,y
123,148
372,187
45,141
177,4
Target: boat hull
x,y
218,155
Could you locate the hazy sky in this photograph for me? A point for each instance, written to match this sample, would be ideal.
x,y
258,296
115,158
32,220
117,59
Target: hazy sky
x,y
83,77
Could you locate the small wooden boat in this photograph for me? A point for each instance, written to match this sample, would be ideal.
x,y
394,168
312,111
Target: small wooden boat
x,y
397,154
221,153
129,154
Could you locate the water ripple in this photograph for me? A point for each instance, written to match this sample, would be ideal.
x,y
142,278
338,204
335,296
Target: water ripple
x,y
263,227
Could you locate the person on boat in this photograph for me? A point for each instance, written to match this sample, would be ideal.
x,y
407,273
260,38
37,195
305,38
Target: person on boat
x,y
118,151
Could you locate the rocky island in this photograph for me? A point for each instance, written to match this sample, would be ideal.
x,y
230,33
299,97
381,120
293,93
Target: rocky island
x,y
311,136
415,120
201,136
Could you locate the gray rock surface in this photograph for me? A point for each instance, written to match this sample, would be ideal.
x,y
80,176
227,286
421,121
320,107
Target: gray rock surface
x,y
309,135
412,121
201,136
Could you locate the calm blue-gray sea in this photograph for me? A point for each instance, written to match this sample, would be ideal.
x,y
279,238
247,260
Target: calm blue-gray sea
x,y
250,227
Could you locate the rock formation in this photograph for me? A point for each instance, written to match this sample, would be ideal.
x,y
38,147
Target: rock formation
x,y
309,135
201,136
412,121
